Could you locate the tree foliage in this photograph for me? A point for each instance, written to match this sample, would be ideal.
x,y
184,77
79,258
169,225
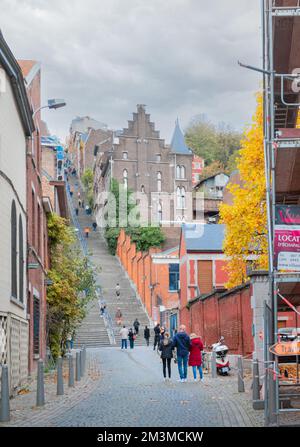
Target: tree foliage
x,y
72,284
213,143
88,181
144,236
245,219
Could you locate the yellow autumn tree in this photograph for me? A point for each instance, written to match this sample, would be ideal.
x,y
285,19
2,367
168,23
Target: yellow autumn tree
x,y
245,219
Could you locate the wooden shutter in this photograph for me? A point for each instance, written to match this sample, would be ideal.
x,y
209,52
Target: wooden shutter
x,y
205,276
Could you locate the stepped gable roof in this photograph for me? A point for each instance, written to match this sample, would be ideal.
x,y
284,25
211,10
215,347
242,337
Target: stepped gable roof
x,y
178,145
204,237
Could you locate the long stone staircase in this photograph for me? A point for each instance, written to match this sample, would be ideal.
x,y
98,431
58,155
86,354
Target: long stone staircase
x,y
92,331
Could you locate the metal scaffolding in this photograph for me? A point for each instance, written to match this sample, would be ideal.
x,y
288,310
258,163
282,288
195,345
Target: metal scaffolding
x,y
281,106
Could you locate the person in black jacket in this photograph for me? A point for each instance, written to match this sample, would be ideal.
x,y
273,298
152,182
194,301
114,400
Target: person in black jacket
x,y
156,336
131,337
147,334
166,348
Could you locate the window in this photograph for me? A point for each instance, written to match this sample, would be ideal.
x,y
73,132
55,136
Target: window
x,y
125,178
125,155
159,181
182,172
21,261
36,325
33,219
173,277
159,211
39,229
158,157
180,195
14,287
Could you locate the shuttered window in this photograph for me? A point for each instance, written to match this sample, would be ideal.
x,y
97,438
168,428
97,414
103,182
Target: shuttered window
x,y
21,261
36,325
205,276
14,287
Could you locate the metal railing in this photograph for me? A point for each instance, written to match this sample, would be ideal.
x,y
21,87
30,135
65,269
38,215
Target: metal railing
x,y
76,224
107,319
83,243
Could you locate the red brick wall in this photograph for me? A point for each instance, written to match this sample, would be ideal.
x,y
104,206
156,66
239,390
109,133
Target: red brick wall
x,y
144,273
230,316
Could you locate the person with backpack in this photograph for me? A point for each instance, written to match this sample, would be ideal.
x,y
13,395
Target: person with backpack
x,y
131,337
182,343
166,348
118,290
136,325
147,334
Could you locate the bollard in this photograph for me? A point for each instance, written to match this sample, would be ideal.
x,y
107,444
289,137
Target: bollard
x,y
60,378
256,386
78,374
256,402
40,393
84,359
213,365
241,386
4,402
81,363
71,370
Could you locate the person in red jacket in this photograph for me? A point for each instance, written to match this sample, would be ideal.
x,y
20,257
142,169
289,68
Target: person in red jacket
x,y
195,358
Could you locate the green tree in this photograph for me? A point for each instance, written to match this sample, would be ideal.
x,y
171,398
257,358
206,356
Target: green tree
x,y
72,285
144,236
88,181
215,144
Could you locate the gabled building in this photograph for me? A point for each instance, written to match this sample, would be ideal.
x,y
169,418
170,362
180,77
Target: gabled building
x,y
53,180
16,129
202,260
140,160
212,188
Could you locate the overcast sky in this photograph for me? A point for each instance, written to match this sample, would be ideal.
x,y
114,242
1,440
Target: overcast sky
x,y
179,57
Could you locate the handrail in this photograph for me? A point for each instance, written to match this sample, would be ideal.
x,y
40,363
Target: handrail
x,y
107,317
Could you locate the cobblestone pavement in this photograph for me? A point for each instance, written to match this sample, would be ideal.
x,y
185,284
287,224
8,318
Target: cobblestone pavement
x,y
130,392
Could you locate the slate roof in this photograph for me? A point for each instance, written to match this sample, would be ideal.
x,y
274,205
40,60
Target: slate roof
x,y
204,237
178,145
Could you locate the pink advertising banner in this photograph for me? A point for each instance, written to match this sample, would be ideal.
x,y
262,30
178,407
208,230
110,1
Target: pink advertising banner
x,y
287,247
287,238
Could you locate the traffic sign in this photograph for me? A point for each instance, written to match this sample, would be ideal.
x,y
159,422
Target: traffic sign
x,y
286,348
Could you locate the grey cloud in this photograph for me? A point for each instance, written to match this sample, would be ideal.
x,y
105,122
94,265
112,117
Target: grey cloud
x,y
177,56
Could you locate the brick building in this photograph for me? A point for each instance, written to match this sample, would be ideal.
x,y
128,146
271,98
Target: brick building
x,y
85,140
154,275
16,128
53,183
37,240
160,174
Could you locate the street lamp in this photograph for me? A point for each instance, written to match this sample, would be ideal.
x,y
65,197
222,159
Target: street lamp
x,y
52,104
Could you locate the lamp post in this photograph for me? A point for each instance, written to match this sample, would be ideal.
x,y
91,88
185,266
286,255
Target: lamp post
x,y
52,104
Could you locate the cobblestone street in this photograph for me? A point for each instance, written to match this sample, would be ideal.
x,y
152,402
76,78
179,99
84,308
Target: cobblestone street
x,y
130,392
